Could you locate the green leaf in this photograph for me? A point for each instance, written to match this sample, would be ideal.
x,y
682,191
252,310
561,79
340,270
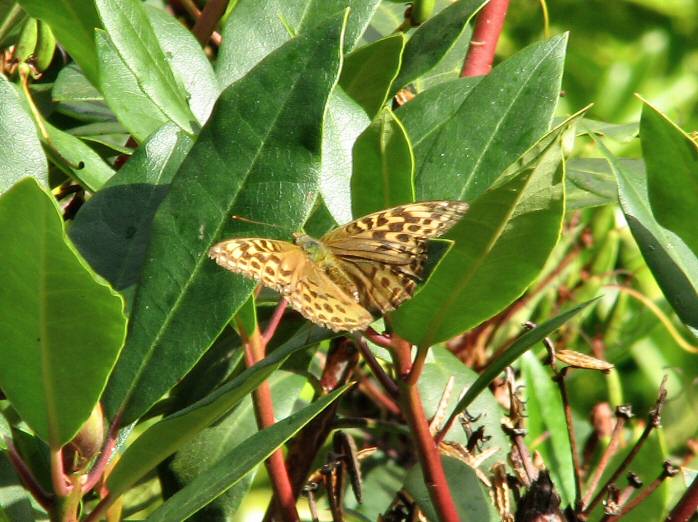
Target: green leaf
x,y
56,312
237,463
255,29
383,166
21,154
671,158
345,120
382,479
207,448
165,437
14,497
673,264
516,350
442,366
590,182
546,415
368,72
112,229
433,39
73,22
463,153
260,146
76,159
484,271
131,106
471,499
132,34
77,97
189,63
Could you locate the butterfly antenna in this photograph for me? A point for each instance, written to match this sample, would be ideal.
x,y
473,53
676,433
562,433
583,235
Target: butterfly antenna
x,y
252,221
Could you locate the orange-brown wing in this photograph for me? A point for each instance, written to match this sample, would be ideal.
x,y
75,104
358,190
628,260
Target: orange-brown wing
x,y
384,252
286,268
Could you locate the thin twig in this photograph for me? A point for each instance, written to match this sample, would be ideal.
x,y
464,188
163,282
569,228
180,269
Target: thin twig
x,y
274,321
376,369
653,422
569,421
623,414
687,506
668,471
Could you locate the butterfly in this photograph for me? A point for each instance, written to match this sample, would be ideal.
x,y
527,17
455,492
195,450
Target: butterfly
x,y
372,264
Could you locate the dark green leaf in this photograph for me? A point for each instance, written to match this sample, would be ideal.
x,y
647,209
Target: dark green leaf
x,y
383,166
516,350
368,72
14,498
56,312
434,38
484,272
129,29
673,264
671,158
472,501
21,154
255,29
260,147
112,229
382,479
589,182
464,152
73,22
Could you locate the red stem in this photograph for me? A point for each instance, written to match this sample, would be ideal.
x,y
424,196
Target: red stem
x,y
255,349
97,470
26,476
427,448
485,37
58,478
274,321
210,16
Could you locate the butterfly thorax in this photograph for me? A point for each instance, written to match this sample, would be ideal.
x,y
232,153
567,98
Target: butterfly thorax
x,y
323,257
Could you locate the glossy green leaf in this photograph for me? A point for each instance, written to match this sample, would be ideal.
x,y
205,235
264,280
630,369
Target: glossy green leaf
x,y
73,22
21,154
546,416
15,500
260,146
237,463
368,72
112,229
165,437
484,271
470,497
442,366
673,264
207,448
383,166
434,38
671,158
463,153
76,97
132,34
516,350
131,106
345,120
190,65
56,312
255,29
77,159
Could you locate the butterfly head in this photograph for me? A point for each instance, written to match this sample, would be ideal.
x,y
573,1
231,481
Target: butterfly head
x,y
314,248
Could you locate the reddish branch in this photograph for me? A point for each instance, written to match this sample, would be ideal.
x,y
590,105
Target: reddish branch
x,y
210,16
687,506
255,351
485,37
